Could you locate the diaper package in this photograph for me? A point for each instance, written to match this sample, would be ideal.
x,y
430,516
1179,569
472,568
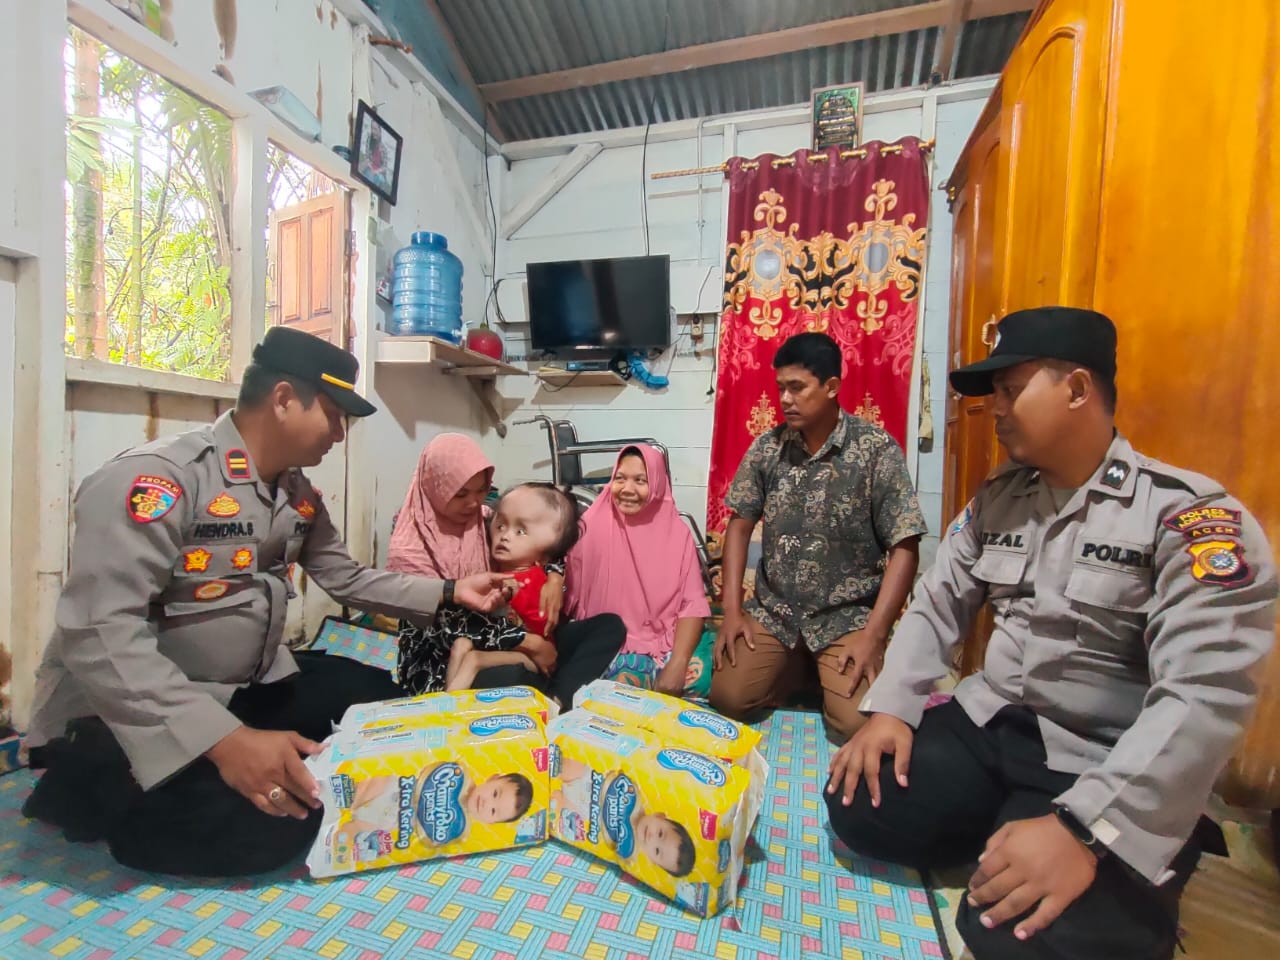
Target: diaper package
x,y
674,818
675,721
402,794
433,709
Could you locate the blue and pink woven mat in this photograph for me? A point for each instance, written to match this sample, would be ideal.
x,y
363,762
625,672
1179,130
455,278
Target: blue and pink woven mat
x,y
802,898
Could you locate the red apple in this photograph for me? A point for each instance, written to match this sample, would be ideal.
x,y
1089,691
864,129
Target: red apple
x,y
484,340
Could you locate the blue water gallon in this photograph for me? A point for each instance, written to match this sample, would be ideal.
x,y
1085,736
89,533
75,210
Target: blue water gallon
x,y
426,289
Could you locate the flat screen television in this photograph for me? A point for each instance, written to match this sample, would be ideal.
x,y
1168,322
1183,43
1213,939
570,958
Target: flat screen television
x,y
600,305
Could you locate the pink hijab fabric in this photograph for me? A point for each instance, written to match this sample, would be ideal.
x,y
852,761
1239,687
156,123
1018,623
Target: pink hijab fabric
x,y
424,541
644,568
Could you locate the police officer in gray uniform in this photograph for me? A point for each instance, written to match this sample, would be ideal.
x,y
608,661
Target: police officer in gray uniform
x,y
169,713
1133,602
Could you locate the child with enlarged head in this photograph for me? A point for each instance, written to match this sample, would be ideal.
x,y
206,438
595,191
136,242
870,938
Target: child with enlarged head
x,y
533,525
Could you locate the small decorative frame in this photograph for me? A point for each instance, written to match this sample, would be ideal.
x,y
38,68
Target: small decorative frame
x,y
836,115
376,150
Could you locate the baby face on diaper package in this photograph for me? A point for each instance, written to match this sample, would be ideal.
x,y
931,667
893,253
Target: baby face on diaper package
x,y
403,794
431,709
673,818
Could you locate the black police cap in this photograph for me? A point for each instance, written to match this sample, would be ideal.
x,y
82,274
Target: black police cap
x,y
330,369
1083,337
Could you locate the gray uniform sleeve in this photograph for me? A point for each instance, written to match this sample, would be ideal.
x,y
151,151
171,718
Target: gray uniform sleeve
x,y
943,606
119,566
1209,628
325,558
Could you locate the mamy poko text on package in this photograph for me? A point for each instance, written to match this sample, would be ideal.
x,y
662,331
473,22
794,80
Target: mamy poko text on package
x,y
402,794
432,709
674,818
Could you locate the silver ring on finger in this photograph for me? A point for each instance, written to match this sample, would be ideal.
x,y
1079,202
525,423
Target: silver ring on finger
x,y
276,794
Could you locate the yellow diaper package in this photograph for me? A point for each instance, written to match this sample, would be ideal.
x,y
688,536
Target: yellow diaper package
x,y
674,721
431,709
673,818
400,795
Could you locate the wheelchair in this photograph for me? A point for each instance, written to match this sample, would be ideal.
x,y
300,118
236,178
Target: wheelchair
x,y
567,451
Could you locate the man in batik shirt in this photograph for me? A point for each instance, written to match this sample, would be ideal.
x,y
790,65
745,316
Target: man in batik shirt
x,y
841,537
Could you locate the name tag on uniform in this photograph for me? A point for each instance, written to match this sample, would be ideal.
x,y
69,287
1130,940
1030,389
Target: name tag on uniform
x,y
1111,554
1003,560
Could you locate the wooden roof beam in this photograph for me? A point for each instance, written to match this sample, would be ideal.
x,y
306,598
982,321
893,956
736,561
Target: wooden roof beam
x,y
920,16
944,65
464,71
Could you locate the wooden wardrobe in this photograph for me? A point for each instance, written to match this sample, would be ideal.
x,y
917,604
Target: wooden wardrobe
x,y
1129,161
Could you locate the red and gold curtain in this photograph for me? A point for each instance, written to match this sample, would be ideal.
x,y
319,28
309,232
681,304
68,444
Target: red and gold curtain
x,y
818,242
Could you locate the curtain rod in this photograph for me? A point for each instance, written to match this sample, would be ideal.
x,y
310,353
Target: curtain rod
x,y
859,154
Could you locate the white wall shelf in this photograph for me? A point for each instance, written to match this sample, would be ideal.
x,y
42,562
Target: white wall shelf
x,y
434,352
481,371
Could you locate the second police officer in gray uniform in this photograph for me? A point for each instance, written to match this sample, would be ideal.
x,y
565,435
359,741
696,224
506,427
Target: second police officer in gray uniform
x,y
169,713
1133,602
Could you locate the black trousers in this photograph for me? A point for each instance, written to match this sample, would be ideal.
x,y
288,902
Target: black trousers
x,y
967,781
194,823
584,650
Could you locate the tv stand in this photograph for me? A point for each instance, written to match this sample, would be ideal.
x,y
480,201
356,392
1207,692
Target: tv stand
x,y
559,377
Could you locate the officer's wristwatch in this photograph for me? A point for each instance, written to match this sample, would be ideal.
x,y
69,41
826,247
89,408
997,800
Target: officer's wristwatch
x,y
1080,831
448,590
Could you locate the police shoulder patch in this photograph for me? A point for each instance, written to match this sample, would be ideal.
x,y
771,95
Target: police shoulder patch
x,y
1220,562
151,497
964,519
1189,522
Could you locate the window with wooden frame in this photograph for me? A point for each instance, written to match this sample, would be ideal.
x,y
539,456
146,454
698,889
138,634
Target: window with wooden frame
x,y
291,263
149,234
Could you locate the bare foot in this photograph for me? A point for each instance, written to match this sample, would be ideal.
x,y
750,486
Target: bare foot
x,y
457,653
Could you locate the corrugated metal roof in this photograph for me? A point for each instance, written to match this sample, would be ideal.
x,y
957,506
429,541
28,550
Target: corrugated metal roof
x,y
985,45
505,39
509,39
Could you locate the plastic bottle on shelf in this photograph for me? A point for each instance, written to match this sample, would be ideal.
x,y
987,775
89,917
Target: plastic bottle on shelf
x,y
427,290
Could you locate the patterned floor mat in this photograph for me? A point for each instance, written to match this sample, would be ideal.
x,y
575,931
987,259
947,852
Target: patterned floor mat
x,y
802,898
357,641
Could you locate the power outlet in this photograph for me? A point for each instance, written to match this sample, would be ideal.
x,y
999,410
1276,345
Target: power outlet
x,y
695,330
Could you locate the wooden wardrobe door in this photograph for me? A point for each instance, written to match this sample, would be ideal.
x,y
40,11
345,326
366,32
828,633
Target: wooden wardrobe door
x,y
1189,268
1054,110
974,312
964,223
971,446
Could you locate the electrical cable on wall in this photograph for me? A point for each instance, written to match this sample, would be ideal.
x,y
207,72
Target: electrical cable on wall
x,y
494,282
648,122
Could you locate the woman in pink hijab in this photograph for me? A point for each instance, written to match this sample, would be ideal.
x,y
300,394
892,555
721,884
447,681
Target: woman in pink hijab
x,y
636,558
441,531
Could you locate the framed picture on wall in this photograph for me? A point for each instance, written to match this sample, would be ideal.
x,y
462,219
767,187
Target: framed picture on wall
x,y
836,116
375,153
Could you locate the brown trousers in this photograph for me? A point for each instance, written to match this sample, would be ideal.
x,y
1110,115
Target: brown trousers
x,y
767,676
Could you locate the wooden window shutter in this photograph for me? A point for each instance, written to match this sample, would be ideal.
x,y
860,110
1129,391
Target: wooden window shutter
x,y
306,255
